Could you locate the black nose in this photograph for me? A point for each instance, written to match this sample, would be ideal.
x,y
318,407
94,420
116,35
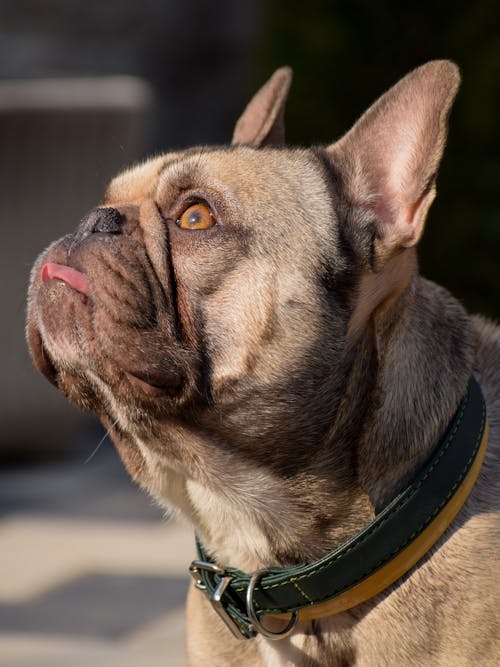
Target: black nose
x,y
104,220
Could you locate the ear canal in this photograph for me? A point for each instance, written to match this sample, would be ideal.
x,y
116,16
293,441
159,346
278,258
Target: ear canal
x,y
263,121
387,162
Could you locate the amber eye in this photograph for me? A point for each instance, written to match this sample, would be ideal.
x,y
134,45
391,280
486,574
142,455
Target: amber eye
x,y
197,216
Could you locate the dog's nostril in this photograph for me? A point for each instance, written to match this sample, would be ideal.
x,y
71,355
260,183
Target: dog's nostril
x,y
104,220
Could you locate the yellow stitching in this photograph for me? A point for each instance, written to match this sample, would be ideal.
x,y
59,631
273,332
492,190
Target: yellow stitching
x,y
306,596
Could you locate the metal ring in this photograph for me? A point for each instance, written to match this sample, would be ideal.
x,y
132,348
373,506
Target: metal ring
x,y
257,625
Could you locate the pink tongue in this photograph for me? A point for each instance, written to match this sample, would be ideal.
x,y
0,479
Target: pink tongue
x,y
78,281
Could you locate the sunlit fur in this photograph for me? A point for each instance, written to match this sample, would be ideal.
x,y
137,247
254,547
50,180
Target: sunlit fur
x,y
279,377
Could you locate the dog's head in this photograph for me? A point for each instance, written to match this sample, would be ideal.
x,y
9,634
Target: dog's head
x,y
210,310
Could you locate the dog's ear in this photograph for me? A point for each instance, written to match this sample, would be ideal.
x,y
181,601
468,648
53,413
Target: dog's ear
x,y
263,121
386,164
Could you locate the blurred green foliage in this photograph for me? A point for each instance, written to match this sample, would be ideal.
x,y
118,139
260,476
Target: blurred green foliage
x,y
346,53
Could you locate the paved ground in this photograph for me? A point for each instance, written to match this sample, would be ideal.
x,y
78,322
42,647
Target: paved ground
x,y
91,572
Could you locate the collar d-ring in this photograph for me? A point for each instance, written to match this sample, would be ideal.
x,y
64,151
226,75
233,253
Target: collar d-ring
x,y
256,624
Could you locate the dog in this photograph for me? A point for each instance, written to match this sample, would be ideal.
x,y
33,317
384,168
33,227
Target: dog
x,y
249,323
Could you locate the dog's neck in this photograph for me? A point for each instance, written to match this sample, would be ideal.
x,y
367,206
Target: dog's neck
x,y
403,382
425,350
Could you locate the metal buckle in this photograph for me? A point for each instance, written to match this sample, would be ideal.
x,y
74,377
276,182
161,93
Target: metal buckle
x,y
215,598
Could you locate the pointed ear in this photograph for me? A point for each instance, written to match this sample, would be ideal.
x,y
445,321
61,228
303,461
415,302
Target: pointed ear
x,y
387,162
262,123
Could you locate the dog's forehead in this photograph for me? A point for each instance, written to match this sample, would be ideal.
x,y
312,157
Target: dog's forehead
x,y
286,175
253,175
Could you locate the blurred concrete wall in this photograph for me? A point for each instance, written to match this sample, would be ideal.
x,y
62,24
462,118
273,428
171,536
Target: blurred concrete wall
x,y
59,142
197,54
67,124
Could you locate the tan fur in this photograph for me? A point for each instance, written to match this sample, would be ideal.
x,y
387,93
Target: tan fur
x,y
279,377
135,184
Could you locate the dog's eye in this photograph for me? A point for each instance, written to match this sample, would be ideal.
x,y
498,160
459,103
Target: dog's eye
x,y
197,216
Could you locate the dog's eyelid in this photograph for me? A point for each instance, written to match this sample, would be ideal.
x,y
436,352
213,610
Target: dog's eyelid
x,y
184,199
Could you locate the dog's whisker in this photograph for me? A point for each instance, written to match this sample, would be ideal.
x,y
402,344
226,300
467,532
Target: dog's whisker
x,y
91,456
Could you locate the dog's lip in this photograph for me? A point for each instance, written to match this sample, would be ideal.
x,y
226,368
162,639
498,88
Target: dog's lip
x,y
146,383
66,274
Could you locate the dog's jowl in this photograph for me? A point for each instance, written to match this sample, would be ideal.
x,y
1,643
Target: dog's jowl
x,y
250,324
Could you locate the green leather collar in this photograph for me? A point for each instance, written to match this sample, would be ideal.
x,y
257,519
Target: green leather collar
x,y
376,557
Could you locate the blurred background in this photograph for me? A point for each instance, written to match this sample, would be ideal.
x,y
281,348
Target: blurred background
x,y
88,88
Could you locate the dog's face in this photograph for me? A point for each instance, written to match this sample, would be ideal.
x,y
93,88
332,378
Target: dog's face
x,y
210,308
197,302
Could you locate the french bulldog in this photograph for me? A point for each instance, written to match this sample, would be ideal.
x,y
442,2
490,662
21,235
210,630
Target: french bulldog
x,y
249,323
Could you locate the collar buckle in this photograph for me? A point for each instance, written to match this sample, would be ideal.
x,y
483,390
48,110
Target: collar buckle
x,y
215,598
